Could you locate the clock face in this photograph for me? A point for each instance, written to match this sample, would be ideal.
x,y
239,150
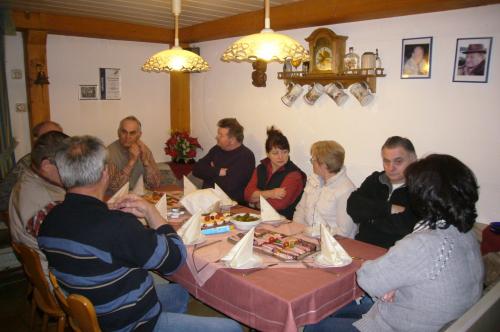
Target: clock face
x,y
323,58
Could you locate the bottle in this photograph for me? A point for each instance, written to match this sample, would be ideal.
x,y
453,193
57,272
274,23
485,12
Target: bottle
x,y
351,61
378,62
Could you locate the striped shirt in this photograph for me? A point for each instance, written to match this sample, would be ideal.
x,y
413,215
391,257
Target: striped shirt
x,y
105,255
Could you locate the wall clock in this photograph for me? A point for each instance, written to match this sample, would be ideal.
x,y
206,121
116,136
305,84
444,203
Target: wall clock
x,y
327,50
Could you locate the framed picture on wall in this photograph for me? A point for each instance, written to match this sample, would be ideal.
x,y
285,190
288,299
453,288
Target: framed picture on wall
x,y
88,92
416,58
472,60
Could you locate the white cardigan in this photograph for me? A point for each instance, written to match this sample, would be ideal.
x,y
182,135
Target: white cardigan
x,y
325,203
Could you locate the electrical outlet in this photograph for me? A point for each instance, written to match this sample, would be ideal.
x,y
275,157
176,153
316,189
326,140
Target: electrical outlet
x,y
21,107
16,74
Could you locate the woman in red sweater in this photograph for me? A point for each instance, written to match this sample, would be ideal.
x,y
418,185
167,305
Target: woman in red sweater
x,y
277,178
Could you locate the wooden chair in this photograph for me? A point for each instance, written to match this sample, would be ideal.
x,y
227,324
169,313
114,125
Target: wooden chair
x,y
43,297
29,291
81,313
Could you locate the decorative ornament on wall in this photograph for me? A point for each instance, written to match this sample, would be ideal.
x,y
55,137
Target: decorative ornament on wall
x,y
327,51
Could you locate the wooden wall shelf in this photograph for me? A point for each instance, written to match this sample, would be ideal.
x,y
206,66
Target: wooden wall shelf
x,y
359,75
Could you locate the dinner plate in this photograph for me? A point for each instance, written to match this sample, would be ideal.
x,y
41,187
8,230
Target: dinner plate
x,y
275,222
309,233
319,261
253,263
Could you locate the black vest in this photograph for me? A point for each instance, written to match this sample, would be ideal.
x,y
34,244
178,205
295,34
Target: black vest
x,y
276,180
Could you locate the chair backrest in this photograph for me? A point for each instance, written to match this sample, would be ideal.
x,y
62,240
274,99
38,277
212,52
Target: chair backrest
x,y
82,312
34,271
60,296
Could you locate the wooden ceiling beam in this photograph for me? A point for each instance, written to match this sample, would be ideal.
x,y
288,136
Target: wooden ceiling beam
x,y
318,12
90,27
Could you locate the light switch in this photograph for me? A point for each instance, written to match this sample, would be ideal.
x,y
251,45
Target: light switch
x,y
16,74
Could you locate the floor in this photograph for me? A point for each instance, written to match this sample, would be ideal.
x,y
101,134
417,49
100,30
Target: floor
x,y
14,308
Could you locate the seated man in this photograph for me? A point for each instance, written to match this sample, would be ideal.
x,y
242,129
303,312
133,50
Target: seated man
x,y
381,205
129,158
105,254
230,163
37,191
24,163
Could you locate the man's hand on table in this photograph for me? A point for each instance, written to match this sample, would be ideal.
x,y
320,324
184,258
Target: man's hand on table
x,y
140,208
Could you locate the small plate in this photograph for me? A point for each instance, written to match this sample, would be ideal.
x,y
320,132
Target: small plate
x,y
318,260
255,262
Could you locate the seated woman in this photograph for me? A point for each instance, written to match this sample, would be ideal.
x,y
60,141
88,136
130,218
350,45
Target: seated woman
x,y
277,178
325,197
431,276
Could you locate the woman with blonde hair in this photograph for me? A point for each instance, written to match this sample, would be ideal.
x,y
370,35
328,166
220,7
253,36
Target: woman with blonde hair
x,y
325,196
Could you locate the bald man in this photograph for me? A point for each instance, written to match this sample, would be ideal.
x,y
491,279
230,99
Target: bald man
x,y
24,163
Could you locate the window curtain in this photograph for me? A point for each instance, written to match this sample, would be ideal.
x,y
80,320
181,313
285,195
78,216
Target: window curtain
x,y
7,142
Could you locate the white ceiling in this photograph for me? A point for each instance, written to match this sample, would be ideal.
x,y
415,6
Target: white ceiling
x,y
146,12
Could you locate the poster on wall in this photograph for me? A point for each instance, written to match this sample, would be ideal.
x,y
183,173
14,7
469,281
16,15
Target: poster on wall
x,y
472,60
110,83
87,92
416,58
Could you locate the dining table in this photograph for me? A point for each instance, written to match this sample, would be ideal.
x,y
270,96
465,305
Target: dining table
x,y
279,295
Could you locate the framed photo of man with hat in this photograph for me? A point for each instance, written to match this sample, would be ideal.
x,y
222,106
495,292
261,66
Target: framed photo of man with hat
x,y
472,60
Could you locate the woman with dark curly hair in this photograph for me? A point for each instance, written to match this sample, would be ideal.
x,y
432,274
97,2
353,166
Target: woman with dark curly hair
x,y
433,275
277,178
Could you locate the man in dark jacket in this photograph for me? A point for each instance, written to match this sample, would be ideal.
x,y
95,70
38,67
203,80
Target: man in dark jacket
x,y
381,205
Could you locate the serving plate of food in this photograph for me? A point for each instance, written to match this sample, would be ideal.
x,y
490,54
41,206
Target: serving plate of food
x,y
285,247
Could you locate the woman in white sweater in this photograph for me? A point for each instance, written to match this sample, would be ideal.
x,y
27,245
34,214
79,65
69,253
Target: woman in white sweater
x,y
325,196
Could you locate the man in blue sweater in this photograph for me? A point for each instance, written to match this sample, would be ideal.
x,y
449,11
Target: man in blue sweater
x,y
105,254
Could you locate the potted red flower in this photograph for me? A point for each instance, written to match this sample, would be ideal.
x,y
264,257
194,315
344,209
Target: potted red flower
x,y
182,147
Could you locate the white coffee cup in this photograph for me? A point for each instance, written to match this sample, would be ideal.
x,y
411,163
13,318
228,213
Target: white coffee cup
x,y
335,91
315,91
361,91
294,91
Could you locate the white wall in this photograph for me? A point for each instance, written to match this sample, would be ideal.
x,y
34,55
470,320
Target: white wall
x,y
14,59
75,60
438,115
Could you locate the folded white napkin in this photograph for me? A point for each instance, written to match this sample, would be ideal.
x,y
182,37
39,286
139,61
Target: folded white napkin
x,y
190,232
189,187
120,193
267,212
225,200
241,255
161,206
139,187
202,201
332,252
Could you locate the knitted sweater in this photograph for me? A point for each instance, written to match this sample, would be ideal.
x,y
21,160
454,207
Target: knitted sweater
x,y
437,275
105,255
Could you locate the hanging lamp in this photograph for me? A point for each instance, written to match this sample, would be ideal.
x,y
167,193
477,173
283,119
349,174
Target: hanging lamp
x,y
175,59
267,46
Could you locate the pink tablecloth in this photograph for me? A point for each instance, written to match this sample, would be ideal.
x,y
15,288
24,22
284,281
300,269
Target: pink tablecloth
x,y
280,299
